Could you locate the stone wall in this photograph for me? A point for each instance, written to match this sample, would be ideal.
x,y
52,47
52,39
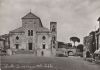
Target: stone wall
x,y
17,38
46,50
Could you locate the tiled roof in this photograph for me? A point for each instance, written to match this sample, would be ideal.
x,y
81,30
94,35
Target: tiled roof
x,y
30,15
43,29
5,35
18,30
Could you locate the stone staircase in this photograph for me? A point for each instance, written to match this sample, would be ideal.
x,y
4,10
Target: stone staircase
x,y
24,52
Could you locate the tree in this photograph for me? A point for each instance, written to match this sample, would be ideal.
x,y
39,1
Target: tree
x,y
74,39
80,47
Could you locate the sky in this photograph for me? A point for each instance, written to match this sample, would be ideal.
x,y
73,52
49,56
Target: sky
x,y
73,17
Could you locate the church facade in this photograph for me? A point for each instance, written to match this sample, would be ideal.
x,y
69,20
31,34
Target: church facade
x,y
33,37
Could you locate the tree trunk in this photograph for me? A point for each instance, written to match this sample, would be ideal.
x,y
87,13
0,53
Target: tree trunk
x,y
74,44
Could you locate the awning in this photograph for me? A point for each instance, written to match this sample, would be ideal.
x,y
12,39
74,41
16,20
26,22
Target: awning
x,y
97,51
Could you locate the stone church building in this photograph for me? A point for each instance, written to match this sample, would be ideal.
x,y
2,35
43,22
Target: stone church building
x,y
33,37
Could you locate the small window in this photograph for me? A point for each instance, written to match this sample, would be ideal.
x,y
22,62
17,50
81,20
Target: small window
x,y
53,42
42,53
17,38
29,32
43,37
53,46
54,38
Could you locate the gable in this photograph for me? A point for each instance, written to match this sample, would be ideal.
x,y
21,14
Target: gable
x,y
30,16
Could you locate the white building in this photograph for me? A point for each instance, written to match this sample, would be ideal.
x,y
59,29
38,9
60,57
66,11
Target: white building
x,y
34,37
98,39
98,36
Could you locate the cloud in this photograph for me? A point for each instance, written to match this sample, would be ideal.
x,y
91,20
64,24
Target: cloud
x,y
74,17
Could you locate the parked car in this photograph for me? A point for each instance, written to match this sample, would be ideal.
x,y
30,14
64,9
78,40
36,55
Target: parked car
x,y
62,52
3,53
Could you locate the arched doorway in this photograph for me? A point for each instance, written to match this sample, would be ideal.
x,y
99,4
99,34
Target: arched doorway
x,y
87,54
70,53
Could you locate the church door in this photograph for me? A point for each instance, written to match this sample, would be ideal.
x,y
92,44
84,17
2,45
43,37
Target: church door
x,y
17,46
30,46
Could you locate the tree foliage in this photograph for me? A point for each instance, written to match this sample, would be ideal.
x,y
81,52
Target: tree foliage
x,y
80,47
74,39
69,44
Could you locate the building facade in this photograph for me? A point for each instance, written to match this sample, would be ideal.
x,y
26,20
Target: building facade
x,y
65,49
98,36
89,44
4,42
34,37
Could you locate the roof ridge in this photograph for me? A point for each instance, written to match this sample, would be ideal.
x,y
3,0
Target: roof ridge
x,y
30,15
20,29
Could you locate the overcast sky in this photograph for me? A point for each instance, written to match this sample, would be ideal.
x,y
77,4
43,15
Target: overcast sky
x,y
73,17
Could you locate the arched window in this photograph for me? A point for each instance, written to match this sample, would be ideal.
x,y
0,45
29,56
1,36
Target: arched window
x,y
43,37
30,32
17,38
53,29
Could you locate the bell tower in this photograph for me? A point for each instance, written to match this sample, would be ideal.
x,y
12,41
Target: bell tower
x,y
53,29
